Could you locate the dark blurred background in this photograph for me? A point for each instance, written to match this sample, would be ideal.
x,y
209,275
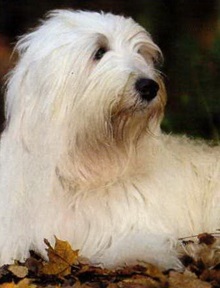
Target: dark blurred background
x,y
188,33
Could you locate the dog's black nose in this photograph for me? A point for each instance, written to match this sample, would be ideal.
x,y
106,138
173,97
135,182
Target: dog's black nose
x,y
147,88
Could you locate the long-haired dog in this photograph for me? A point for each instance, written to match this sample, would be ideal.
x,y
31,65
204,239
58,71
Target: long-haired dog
x,y
82,156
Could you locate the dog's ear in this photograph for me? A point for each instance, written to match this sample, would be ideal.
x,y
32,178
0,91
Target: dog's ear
x,y
31,48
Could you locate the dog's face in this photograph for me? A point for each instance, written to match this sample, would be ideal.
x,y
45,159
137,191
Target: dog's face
x,y
93,72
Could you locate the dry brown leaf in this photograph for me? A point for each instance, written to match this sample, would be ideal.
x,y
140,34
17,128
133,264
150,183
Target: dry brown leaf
x,y
155,272
211,274
200,254
79,285
33,265
25,283
61,258
141,282
18,271
180,280
206,238
145,269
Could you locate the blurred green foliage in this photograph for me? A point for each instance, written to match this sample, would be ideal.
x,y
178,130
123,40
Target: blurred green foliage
x,y
196,80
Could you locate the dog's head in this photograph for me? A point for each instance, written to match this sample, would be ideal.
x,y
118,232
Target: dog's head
x,y
95,68
88,79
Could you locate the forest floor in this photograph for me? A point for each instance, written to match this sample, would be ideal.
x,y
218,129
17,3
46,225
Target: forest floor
x,y
64,268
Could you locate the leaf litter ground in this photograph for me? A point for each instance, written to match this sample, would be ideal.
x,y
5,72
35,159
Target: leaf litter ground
x,y
64,268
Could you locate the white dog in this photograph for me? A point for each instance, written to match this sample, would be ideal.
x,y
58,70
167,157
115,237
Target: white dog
x,y
83,157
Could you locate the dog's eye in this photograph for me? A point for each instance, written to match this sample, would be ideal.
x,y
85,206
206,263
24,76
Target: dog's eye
x,y
142,52
100,53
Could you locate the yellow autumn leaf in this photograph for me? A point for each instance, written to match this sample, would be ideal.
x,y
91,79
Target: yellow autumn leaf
x,y
25,283
61,258
8,285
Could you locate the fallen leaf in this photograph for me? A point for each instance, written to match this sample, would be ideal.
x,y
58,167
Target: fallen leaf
x,y
33,265
61,258
214,275
206,238
25,283
136,282
18,271
8,285
3,271
79,285
180,280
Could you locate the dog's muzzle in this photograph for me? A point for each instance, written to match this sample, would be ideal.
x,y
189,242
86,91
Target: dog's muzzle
x,y
147,88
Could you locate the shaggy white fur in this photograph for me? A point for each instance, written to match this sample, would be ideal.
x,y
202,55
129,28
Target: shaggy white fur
x,y
82,156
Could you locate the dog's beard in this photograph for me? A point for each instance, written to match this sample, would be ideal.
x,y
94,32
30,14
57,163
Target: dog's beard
x,y
111,139
100,153
112,119
133,119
